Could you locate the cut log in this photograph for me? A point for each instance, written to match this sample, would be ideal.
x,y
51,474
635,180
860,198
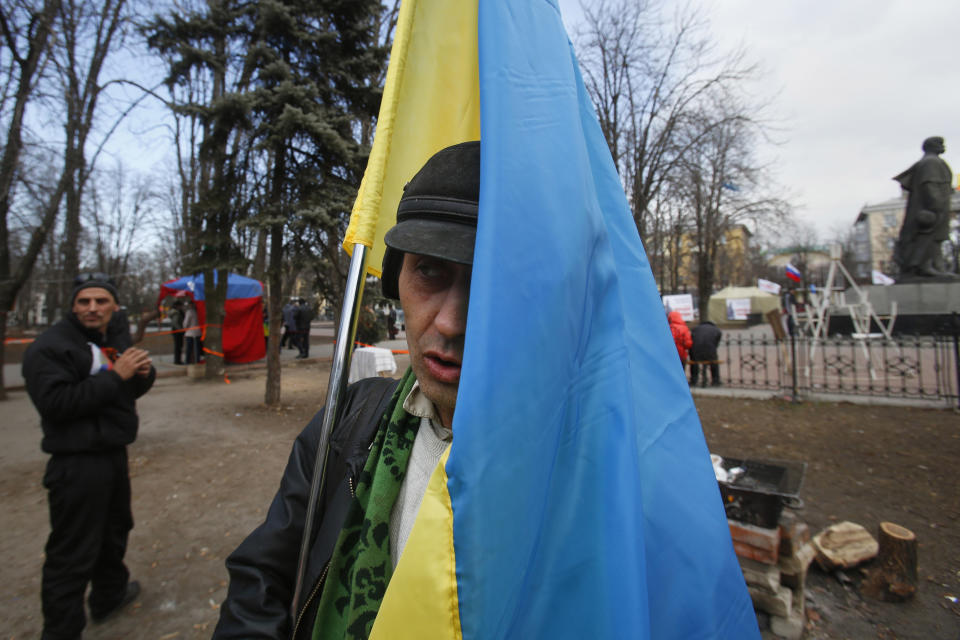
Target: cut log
x,y
894,578
844,545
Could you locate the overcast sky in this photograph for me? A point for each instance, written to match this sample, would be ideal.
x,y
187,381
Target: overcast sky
x,y
859,86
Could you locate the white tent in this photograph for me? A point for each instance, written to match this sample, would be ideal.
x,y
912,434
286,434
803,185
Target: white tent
x,y
730,305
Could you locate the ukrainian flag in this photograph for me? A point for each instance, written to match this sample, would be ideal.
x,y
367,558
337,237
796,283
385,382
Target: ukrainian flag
x,y
577,499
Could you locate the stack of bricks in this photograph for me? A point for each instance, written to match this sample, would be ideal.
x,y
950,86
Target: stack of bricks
x,y
775,563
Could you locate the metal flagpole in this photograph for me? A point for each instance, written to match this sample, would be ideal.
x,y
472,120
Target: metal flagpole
x,y
335,392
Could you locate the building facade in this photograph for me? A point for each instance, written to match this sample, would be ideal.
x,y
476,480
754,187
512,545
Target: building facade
x,y
875,235
731,266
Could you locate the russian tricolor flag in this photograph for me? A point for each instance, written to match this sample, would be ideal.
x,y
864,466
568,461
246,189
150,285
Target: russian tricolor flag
x,y
793,273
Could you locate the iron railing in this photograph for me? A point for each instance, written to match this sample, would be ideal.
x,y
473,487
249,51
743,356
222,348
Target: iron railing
x,y
925,368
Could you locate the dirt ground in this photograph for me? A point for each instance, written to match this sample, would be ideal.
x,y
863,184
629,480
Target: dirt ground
x,y
210,455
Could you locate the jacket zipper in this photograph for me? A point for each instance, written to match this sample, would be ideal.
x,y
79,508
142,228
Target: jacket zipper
x,y
306,605
323,575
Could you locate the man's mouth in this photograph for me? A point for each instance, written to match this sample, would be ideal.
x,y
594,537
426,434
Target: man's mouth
x,y
443,367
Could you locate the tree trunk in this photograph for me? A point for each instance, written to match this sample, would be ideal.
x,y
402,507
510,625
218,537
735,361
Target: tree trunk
x,y
213,333
271,395
71,237
10,286
894,578
3,352
260,258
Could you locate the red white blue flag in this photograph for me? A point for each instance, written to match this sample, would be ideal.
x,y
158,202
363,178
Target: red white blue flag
x,y
793,273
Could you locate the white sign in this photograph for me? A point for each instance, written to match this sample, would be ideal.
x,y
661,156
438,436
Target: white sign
x,y
682,302
769,287
738,308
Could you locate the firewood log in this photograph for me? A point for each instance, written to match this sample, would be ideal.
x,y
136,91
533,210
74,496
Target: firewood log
x,y
894,577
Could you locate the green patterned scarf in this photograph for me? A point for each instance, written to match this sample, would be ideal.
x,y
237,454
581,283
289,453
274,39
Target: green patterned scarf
x,y
360,568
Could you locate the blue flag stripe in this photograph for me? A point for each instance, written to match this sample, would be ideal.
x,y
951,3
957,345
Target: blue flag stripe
x,y
584,502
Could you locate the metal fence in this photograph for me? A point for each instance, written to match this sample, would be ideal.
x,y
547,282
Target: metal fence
x,y
910,367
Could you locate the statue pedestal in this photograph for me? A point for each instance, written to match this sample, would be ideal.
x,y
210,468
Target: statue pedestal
x,y
922,307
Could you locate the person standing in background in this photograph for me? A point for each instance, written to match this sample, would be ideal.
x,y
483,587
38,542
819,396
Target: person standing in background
x,y
289,325
681,335
84,377
176,325
706,338
303,317
191,321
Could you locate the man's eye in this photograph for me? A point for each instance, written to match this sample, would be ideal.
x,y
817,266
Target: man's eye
x,y
428,270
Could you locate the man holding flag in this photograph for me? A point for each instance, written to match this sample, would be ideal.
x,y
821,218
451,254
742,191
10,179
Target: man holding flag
x,y
577,497
427,267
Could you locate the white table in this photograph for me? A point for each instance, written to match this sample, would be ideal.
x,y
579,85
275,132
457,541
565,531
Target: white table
x,y
370,362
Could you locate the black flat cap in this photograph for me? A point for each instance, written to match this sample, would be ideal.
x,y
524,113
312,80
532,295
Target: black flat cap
x,y
437,214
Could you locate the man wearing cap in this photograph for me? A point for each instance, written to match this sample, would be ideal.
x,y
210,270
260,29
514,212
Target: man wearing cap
x,y
389,438
84,377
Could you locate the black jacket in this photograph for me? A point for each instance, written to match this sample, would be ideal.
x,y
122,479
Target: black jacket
x,y
263,568
80,412
302,317
706,339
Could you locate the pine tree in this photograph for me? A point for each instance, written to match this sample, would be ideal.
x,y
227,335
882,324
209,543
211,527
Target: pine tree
x,y
279,93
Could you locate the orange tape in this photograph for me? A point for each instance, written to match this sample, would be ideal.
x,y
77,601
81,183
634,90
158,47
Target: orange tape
x,y
394,351
202,327
172,331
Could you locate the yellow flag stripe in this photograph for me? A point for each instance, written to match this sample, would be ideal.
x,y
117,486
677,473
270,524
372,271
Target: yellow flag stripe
x,y
421,599
431,100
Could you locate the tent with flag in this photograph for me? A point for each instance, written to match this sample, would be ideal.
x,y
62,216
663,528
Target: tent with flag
x,y
577,499
243,311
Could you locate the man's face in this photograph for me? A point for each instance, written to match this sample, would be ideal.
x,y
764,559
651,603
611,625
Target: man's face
x,y
94,307
434,294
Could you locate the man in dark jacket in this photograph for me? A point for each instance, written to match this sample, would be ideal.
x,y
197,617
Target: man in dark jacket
x,y
703,353
395,432
176,325
84,377
303,316
289,325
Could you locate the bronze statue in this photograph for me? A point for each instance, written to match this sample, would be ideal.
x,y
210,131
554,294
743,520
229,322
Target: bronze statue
x,y
927,220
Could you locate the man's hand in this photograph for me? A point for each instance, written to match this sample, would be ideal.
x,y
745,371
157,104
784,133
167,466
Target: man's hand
x,y
132,362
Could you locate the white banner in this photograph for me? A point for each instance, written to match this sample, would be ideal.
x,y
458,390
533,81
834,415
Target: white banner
x,y
738,308
682,302
769,287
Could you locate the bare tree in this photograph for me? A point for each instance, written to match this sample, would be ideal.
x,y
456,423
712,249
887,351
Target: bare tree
x,y
26,29
681,134
119,219
804,242
90,31
649,81
724,186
